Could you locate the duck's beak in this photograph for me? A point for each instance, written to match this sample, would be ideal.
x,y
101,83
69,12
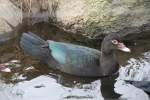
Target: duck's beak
x,y
123,48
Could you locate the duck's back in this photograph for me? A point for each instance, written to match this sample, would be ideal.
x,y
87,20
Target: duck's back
x,y
75,59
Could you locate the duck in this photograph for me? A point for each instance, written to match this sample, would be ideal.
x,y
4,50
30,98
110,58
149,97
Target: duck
x,y
75,59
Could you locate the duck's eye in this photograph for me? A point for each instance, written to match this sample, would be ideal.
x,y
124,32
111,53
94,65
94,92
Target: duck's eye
x,y
114,41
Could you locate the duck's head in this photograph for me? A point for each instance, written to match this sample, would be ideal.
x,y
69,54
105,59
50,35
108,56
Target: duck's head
x,y
113,42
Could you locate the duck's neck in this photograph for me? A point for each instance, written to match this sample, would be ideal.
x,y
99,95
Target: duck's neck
x,y
108,63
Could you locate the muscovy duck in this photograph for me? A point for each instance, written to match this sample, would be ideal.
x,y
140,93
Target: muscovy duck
x,y
75,59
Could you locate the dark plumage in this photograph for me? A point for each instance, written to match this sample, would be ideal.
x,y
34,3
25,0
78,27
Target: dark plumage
x,y
75,59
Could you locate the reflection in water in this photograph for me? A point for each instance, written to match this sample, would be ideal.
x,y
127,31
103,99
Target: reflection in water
x,y
107,87
47,88
129,92
35,81
137,69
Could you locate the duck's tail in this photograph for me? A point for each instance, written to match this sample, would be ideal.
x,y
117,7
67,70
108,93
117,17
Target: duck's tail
x,y
34,46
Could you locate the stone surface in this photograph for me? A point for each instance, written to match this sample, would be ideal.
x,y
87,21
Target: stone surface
x,y
91,18
96,17
10,16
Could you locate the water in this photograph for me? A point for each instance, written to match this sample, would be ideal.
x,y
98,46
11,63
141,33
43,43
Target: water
x,y
31,80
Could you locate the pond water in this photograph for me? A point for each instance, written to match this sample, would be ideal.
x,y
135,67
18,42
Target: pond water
x,y
32,80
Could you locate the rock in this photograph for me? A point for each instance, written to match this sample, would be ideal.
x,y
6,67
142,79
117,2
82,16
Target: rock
x,y
92,18
10,17
96,17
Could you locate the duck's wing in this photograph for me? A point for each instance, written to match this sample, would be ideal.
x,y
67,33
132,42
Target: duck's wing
x,y
75,55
